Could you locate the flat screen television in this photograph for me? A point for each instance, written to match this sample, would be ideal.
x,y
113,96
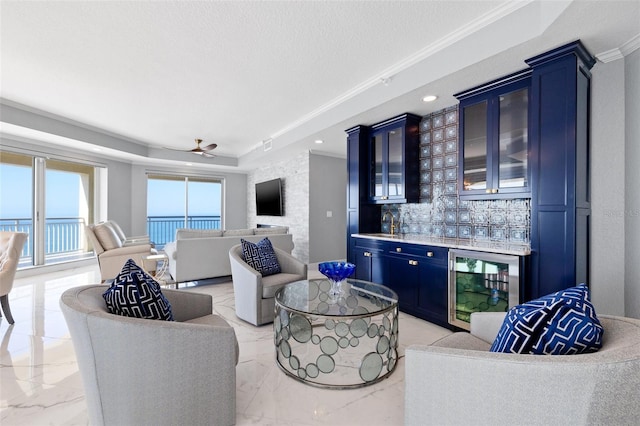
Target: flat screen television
x,y
269,198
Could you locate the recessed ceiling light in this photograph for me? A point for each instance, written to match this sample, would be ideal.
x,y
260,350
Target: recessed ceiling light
x,y
188,164
97,149
429,98
319,141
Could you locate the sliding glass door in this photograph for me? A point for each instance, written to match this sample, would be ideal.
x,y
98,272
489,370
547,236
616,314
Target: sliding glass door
x,y
182,202
52,201
69,200
16,200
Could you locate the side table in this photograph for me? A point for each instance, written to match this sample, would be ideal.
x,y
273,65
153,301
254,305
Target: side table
x,y
162,266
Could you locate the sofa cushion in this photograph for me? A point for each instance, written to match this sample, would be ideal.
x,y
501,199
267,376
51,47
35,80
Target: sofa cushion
x,y
562,323
116,228
272,283
107,236
237,232
183,233
462,340
261,256
134,293
271,231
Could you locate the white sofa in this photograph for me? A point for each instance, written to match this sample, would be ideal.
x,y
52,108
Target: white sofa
x,y
199,254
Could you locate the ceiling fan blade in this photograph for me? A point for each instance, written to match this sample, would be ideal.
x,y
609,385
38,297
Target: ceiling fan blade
x,y
198,150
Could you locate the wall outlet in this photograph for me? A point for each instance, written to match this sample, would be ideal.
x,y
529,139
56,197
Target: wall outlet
x,y
329,213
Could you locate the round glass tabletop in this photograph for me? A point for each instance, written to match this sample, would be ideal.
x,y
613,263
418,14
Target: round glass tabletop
x,y
357,298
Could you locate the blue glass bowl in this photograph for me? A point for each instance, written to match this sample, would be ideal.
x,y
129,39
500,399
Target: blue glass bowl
x,y
336,271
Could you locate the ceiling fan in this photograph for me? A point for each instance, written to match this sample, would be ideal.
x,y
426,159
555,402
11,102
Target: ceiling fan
x,y
204,151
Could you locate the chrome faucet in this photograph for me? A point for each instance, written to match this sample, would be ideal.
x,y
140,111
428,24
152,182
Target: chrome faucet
x,y
393,226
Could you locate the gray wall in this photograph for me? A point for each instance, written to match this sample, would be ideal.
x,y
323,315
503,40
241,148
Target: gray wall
x,y
632,193
615,155
327,187
607,187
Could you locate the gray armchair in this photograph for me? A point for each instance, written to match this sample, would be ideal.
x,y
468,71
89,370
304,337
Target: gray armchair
x,y
457,381
152,372
11,244
255,294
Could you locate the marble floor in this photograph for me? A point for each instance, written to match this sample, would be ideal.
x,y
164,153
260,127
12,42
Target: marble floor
x,y
40,383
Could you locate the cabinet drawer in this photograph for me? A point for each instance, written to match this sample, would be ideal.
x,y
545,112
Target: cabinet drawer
x,y
368,244
430,252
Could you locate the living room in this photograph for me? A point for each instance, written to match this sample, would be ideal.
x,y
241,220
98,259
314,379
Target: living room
x,y
315,180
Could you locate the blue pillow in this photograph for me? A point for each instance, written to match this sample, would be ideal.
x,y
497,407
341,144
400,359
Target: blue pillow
x,y
134,293
562,323
261,256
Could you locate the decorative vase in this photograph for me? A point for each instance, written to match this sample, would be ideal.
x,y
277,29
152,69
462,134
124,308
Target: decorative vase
x,y
337,273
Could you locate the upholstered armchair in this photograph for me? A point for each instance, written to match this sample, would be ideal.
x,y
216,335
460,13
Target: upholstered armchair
x,y
112,253
457,381
255,294
11,244
153,372
129,241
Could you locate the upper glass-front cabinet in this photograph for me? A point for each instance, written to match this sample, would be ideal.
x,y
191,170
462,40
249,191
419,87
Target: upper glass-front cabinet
x,y
393,153
494,130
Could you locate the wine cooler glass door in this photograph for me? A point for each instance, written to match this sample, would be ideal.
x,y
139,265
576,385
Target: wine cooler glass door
x,y
481,282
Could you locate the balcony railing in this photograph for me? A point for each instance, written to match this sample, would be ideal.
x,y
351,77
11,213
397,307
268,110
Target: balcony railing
x,y
162,229
64,236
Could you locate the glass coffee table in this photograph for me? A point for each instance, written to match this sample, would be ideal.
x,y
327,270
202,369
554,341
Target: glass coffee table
x,y
343,341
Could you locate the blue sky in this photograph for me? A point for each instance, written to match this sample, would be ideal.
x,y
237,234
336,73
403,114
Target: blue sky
x,y
165,198
15,193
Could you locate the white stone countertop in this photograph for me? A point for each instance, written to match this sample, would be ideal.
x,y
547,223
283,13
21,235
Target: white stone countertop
x,y
459,243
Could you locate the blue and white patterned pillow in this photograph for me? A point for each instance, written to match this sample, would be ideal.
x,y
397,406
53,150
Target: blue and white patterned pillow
x,y
261,256
562,323
134,293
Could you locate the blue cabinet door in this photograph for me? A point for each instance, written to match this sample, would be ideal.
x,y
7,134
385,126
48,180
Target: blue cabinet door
x,y
433,288
367,256
560,188
418,274
494,139
394,173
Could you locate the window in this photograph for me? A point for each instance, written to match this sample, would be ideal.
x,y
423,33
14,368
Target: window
x,y
52,201
196,203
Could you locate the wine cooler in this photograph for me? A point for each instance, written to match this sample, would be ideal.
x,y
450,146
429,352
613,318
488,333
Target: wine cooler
x,y
481,282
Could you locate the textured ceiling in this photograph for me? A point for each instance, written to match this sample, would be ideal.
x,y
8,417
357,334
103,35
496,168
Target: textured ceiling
x,y
236,73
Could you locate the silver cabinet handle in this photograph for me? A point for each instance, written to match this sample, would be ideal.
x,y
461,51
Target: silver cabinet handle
x,y
429,254
413,262
367,254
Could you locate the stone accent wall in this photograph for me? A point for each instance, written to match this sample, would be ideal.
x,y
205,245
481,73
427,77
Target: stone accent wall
x,y
295,191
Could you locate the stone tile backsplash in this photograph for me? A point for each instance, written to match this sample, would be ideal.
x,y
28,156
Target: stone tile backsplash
x,y
440,212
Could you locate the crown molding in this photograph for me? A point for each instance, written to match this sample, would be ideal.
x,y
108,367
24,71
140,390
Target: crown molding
x,y
385,77
620,52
